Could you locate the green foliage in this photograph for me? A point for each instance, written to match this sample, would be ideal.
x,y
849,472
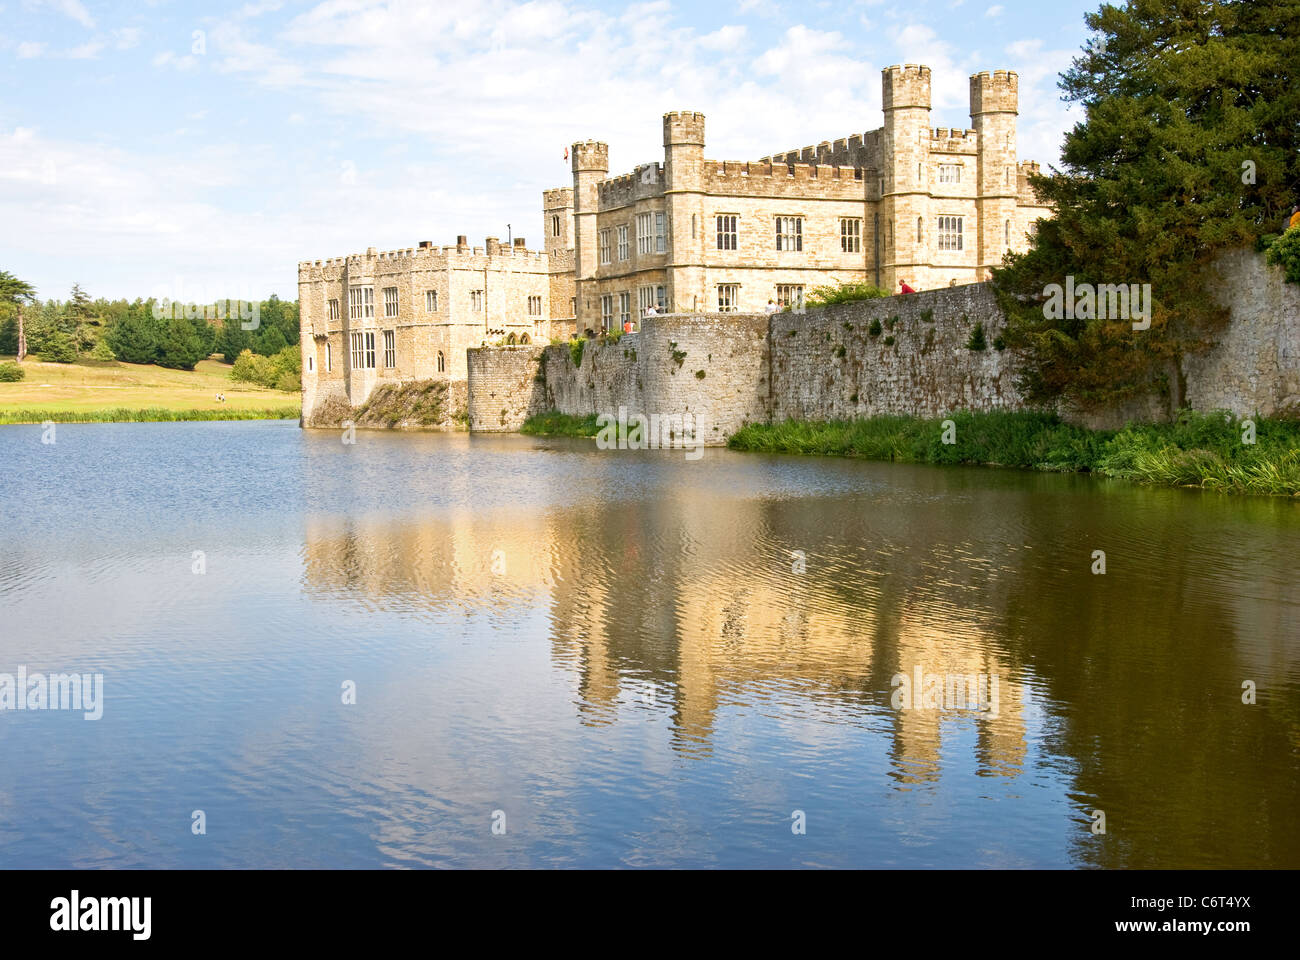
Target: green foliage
x,y
281,372
1203,450
875,328
840,351
576,347
927,316
58,347
554,424
133,336
13,290
11,372
102,352
183,342
977,340
1285,252
846,292
417,403
1188,146
889,341
699,374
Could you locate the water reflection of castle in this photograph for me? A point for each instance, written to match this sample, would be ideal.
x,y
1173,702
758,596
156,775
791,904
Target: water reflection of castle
x,y
698,607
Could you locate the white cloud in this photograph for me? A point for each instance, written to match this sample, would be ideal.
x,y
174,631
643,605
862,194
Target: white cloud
x,y
169,59
86,51
71,8
30,50
127,38
994,11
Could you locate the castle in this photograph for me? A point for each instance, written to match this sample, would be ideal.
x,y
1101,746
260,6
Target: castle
x,y
933,207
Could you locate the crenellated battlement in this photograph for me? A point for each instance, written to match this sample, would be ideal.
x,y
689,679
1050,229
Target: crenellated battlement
x,y
590,156
423,257
647,180
905,86
994,92
683,127
557,198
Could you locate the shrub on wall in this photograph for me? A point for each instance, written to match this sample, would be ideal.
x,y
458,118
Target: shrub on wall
x,y
1285,252
846,292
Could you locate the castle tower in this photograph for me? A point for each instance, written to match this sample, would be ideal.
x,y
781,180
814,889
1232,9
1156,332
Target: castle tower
x,y
590,166
683,201
905,97
558,229
557,220
993,103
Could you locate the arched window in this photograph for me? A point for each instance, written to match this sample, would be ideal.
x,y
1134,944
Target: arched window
x,y
555,225
442,363
511,340
918,229
1007,231
525,339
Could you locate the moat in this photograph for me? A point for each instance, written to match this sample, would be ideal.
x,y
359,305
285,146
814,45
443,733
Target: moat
x,y
629,658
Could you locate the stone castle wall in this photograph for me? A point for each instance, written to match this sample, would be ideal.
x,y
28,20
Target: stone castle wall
x,y
828,364
503,387
1255,368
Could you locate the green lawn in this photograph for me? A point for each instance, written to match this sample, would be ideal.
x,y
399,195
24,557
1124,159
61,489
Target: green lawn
x,y
130,391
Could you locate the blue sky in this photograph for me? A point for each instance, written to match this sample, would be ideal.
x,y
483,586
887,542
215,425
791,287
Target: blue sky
x,y
196,150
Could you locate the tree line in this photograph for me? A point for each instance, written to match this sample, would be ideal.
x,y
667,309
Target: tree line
x,y
139,331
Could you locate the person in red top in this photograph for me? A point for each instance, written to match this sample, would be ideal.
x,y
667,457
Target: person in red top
x,y
905,287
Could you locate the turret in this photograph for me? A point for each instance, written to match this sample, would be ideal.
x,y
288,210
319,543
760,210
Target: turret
x,y
993,107
905,96
683,191
590,166
557,219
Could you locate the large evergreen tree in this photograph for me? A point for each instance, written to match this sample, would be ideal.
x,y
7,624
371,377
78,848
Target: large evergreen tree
x,y
1190,144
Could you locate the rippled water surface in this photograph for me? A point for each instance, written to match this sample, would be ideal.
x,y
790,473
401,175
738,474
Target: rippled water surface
x,y
637,659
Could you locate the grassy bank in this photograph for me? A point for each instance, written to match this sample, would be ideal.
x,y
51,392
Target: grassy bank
x,y
112,391
1198,450
554,424
146,415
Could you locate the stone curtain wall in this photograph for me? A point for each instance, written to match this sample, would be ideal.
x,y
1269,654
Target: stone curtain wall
x,y
827,365
1255,366
711,366
503,387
